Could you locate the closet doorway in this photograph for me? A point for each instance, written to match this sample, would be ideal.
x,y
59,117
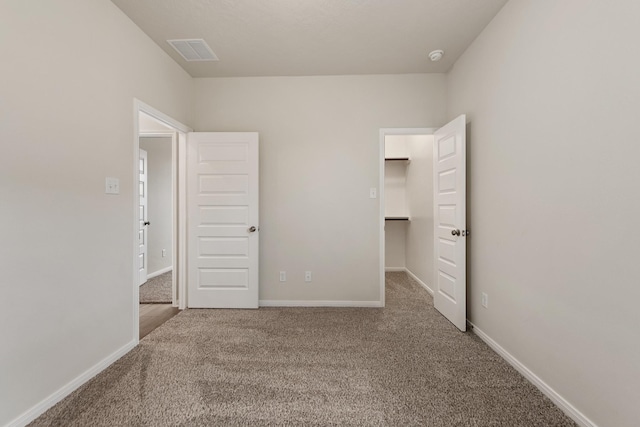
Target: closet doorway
x,y
407,203
423,212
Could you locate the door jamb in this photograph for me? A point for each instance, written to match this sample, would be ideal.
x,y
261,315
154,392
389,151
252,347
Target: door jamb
x,y
384,132
180,225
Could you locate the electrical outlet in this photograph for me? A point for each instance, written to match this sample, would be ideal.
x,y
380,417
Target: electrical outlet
x,y
283,276
485,300
307,276
164,253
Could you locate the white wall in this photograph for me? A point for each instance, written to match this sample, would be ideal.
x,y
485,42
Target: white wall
x,y
395,242
552,94
395,146
319,155
395,189
159,202
419,231
67,248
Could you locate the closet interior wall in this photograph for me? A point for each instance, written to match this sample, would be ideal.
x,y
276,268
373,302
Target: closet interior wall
x,y
409,193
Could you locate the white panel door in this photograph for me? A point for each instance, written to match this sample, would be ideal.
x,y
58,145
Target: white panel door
x,y
142,231
450,296
222,210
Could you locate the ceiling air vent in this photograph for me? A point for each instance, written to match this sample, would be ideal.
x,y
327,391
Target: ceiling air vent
x,y
193,49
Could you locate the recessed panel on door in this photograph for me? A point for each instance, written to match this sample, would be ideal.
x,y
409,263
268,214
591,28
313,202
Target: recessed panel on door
x,y
446,147
223,215
447,181
447,285
223,184
238,152
220,247
447,216
447,251
223,278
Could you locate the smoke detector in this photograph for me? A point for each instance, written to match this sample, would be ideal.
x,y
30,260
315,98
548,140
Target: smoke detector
x,y
436,55
193,49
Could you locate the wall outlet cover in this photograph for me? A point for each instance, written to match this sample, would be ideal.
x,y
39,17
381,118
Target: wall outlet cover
x,y
485,300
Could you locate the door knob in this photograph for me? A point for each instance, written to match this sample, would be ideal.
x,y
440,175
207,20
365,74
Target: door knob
x,y
455,232
252,229
146,223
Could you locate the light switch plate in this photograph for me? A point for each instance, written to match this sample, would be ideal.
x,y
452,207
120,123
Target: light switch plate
x,y
112,185
373,193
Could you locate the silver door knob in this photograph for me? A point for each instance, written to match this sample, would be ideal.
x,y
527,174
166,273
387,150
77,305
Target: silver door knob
x,y
252,229
455,232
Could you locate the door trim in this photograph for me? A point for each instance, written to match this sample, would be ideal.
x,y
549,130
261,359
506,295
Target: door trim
x,y
383,133
179,197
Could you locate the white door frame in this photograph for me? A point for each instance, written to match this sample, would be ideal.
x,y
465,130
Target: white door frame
x,y
384,132
179,232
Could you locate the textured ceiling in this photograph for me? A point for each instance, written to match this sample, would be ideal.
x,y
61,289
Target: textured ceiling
x,y
315,37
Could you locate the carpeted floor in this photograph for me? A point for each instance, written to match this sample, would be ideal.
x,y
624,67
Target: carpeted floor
x,y
157,290
404,365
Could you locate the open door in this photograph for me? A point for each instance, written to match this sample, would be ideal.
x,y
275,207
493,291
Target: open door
x,y
142,231
222,212
450,293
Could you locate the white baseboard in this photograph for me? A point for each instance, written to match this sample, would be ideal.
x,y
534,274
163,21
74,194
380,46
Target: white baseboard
x,y
313,303
69,388
159,272
395,269
555,397
420,282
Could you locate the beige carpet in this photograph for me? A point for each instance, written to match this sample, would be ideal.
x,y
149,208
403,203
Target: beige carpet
x,y
157,290
404,365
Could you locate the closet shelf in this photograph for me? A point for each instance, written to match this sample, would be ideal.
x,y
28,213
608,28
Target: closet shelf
x,y
396,218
